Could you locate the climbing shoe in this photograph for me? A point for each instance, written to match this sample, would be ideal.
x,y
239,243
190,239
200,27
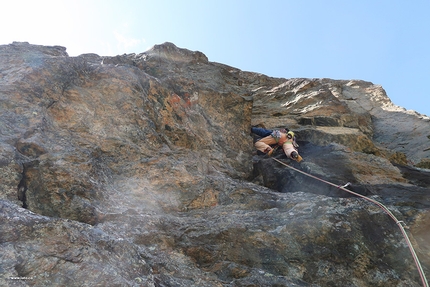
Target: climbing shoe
x,y
295,155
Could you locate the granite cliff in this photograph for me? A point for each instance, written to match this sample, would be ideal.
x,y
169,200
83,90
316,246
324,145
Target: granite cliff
x,y
139,170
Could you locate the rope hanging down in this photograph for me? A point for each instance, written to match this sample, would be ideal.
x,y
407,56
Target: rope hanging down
x,y
384,208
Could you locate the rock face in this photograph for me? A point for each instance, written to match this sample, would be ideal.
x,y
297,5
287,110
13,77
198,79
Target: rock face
x,y
140,170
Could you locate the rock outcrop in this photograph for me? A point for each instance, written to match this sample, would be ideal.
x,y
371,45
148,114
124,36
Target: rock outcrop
x,y
140,170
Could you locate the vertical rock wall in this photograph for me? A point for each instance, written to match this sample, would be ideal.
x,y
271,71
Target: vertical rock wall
x,y
139,170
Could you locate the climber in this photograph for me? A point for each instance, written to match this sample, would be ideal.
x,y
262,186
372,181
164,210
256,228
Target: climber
x,y
282,137
262,132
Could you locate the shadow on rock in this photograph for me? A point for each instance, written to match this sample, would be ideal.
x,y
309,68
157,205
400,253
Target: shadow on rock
x,y
324,162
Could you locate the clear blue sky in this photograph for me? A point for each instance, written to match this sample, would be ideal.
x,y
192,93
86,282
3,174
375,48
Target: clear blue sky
x,y
386,42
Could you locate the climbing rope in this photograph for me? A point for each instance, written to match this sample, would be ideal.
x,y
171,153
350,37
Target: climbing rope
x,y
383,207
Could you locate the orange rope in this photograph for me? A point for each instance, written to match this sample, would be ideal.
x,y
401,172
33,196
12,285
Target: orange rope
x,y
411,248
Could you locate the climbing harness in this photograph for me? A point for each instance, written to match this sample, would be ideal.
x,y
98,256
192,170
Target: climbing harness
x,y
276,135
383,207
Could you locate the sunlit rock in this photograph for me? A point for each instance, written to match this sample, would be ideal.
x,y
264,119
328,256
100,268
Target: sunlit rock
x,y
140,170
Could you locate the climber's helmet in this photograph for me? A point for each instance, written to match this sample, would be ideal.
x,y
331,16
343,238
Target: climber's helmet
x,y
290,135
284,130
